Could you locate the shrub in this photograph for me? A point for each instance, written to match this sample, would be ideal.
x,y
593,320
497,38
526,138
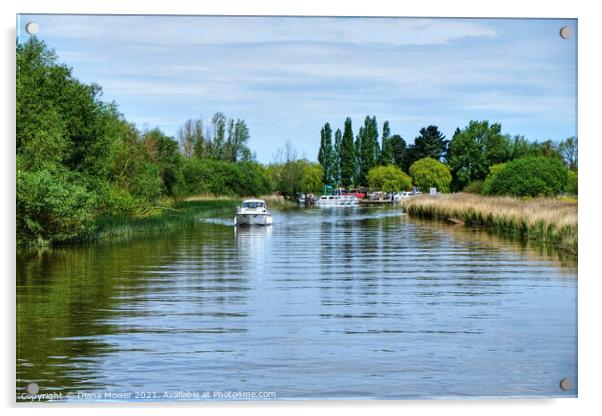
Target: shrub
x,y
493,171
427,173
474,187
201,176
388,179
51,207
572,183
530,176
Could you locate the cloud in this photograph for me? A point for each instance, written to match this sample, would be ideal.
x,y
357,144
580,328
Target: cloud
x,y
287,76
195,30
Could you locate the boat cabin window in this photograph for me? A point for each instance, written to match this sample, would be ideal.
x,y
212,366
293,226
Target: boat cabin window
x,y
252,205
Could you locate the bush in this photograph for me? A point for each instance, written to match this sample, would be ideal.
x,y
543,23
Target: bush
x,y
388,179
572,183
530,176
51,207
493,171
201,176
475,187
427,173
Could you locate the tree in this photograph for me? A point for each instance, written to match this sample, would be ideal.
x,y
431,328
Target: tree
x,y
429,143
326,153
218,124
388,179
163,151
288,171
572,183
336,167
428,173
568,148
473,149
190,137
236,145
530,176
312,178
222,139
368,148
347,155
386,153
398,148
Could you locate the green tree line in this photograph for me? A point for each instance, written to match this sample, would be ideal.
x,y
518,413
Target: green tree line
x,y
462,163
78,160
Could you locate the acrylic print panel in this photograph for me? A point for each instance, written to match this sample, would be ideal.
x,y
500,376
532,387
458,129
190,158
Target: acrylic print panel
x,y
272,208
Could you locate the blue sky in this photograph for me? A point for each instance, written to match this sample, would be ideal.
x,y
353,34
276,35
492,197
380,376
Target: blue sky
x,y
288,76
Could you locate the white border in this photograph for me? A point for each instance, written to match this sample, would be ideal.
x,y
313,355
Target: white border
x,y
590,152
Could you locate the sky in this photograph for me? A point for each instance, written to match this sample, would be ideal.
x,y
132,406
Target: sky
x,y
287,76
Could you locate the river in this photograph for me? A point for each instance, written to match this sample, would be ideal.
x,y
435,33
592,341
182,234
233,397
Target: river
x,y
325,304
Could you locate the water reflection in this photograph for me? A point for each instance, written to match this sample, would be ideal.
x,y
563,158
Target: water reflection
x,y
351,303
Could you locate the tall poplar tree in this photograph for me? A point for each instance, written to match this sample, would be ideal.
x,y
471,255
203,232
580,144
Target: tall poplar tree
x,y
347,155
369,149
336,167
386,153
325,154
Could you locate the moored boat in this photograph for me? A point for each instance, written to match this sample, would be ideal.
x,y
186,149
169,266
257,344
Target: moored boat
x,y
253,212
337,201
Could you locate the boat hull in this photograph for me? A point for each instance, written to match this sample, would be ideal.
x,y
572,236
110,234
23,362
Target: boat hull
x,y
253,219
337,203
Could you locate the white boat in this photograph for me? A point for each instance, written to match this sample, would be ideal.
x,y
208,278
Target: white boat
x,y
400,196
253,212
337,201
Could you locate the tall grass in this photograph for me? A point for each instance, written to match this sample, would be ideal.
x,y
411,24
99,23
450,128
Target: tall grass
x,y
272,201
171,216
164,219
546,220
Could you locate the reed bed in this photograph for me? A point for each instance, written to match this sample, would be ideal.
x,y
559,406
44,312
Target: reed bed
x,y
273,200
548,221
166,219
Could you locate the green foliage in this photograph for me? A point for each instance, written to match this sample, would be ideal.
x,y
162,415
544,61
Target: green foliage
x,y
347,155
568,149
473,149
312,178
336,169
79,161
51,207
475,187
386,153
207,176
221,139
493,172
429,143
388,179
369,149
572,183
326,155
530,176
398,149
428,172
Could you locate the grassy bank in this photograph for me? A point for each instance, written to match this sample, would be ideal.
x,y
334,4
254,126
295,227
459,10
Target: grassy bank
x,y
172,217
548,221
164,219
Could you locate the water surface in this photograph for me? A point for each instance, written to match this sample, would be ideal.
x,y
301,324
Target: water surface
x,y
332,303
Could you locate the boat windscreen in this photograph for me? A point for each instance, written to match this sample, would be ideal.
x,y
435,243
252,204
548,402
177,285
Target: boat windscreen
x,y
252,205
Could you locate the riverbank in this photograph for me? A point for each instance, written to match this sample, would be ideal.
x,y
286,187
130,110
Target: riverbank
x,y
180,214
170,216
548,221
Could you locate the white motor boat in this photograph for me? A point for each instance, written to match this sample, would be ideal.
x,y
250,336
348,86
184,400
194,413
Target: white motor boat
x,y
253,212
337,201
